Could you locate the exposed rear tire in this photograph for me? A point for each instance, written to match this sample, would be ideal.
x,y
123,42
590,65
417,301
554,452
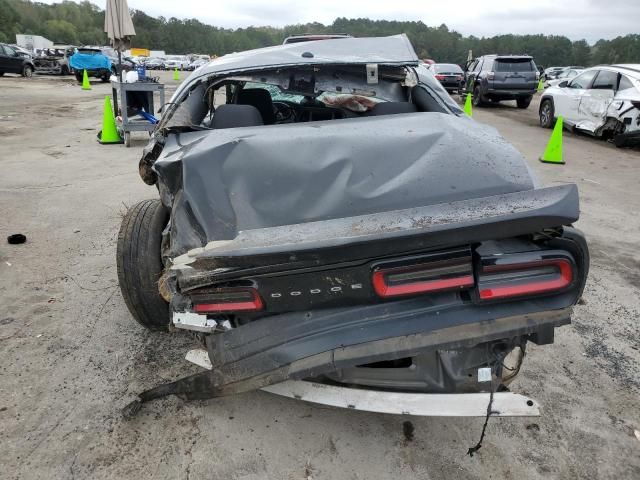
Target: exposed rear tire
x,y
27,71
523,102
79,76
546,113
140,264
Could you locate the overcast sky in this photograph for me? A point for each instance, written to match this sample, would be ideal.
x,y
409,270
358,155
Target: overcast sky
x,y
577,19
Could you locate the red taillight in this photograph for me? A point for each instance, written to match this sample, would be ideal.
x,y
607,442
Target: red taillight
x,y
440,77
527,278
227,300
442,274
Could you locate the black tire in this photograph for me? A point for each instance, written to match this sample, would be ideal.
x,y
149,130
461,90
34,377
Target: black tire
x,y
27,71
478,98
523,102
1,74
79,76
547,113
140,264
64,70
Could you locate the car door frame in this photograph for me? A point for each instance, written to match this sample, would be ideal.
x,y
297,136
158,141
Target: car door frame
x,y
472,74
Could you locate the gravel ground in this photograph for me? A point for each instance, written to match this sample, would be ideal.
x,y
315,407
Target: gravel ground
x,y
71,356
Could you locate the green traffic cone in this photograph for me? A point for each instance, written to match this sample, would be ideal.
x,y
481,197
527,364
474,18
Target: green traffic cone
x,y
85,81
553,152
468,109
540,85
176,75
109,133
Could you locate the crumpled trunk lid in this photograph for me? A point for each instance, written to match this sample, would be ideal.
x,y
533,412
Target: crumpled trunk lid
x,y
219,183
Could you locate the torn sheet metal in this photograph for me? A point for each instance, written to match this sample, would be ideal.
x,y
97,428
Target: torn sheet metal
x,y
592,110
219,183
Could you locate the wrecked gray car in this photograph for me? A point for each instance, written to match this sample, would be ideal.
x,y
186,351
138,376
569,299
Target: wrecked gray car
x,y
336,230
55,60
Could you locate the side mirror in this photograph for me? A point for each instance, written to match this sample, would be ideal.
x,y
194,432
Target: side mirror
x,y
563,84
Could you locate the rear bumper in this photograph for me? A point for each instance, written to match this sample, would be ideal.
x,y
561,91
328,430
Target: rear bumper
x,y
303,345
451,85
507,94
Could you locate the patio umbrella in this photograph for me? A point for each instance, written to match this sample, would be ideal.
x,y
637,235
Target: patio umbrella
x,y
118,27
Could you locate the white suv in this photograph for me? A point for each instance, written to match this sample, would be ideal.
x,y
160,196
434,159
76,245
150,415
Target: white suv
x,y
603,101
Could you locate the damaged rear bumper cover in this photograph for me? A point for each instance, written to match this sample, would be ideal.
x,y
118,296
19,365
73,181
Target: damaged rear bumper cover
x,y
299,345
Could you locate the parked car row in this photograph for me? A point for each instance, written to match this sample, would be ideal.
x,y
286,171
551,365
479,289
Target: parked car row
x,y
172,62
602,101
553,73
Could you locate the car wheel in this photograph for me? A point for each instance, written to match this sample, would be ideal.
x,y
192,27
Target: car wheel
x,y
523,102
79,76
64,70
140,265
1,74
27,71
478,98
546,113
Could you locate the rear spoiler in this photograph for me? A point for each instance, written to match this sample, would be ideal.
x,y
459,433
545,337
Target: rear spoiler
x,y
375,235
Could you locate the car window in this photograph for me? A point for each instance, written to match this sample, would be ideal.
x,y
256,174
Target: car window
x,y
583,80
513,65
472,66
277,95
625,83
9,51
447,68
605,80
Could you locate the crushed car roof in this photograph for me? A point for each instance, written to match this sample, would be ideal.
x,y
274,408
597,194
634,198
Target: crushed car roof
x,y
394,50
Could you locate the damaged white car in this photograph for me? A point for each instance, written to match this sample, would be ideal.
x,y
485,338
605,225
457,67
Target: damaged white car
x,y
602,101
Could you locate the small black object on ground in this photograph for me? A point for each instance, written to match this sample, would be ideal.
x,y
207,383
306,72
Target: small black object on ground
x,y
16,239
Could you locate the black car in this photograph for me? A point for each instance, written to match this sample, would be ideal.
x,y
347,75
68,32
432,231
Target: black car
x,y
449,75
14,61
502,77
323,215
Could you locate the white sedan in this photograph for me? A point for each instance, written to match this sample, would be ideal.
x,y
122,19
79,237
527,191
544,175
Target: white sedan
x,y
602,101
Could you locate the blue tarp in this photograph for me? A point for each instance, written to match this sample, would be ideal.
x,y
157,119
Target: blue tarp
x,y
82,61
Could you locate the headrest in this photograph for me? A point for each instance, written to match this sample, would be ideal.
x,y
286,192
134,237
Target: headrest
x,y
233,116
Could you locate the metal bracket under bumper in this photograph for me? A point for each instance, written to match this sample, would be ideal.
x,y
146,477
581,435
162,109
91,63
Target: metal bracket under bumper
x,y
505,404
398,403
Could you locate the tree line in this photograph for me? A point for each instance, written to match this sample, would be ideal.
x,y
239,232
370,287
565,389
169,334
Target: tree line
x,y
82,24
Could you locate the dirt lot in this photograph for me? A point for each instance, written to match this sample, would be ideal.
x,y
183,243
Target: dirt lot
x,y
71,356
